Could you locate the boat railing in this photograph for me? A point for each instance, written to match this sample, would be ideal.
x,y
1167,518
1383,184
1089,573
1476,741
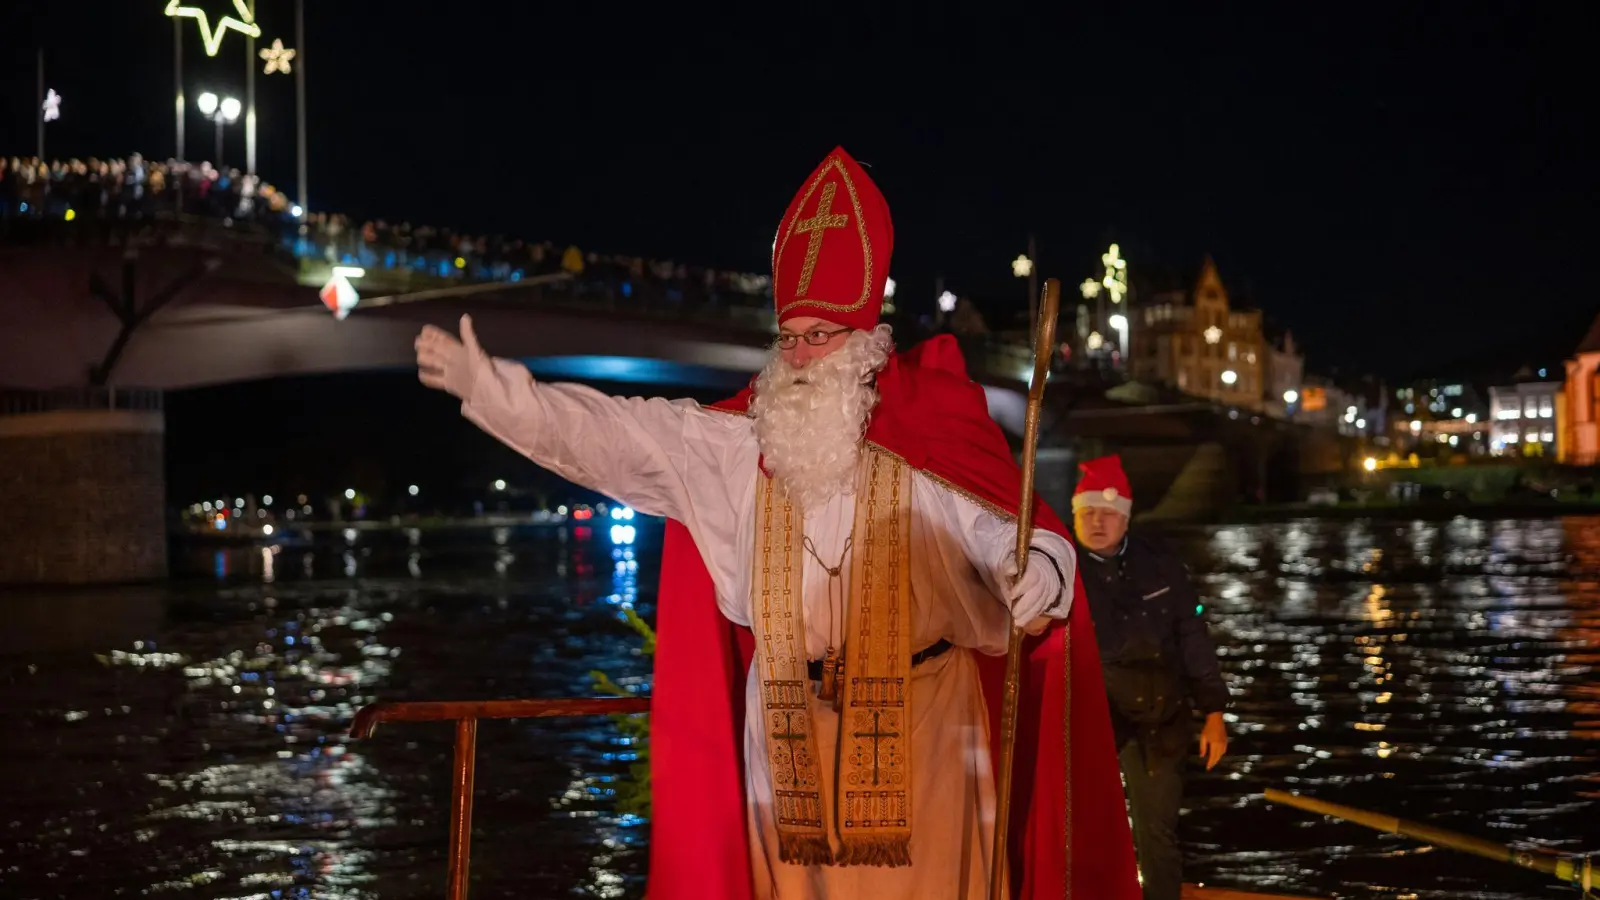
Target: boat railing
x,y
466,714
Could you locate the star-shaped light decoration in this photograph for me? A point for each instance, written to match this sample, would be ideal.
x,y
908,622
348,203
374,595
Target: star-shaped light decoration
x,y
1022,267
52,106
278,58
245,24
1213,334
1090,288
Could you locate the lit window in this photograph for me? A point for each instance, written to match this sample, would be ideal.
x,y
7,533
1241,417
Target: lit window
x,y
1546,410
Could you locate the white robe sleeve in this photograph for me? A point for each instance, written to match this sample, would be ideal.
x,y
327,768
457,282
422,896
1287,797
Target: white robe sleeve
x,y
989,543
643,452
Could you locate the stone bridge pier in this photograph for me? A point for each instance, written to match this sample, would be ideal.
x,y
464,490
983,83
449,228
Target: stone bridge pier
x,y
82,487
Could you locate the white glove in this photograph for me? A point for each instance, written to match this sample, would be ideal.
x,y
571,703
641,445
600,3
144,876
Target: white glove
x,y
1035,592
448,364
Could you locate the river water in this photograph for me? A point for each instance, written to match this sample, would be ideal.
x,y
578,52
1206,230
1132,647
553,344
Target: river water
x,y
188,740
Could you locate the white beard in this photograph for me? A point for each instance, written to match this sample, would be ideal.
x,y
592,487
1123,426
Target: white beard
x,y
810,421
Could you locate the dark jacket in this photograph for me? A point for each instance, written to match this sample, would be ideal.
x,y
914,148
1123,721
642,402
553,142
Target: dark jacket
x,y
1158,657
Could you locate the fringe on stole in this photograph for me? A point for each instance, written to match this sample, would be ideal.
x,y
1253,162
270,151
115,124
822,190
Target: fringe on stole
x,y
813,850
805,849
889,852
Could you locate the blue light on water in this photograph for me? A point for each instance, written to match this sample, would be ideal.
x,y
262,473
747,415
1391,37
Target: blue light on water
x,y
634,371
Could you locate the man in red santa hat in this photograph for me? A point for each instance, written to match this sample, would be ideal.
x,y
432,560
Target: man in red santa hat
x,y
1160,665
838,584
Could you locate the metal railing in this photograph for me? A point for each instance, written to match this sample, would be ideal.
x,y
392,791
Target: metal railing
x,y
466,714
80,399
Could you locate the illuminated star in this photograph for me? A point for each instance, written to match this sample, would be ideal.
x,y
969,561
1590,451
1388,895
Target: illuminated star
x,y
1213,334
245,24
277,58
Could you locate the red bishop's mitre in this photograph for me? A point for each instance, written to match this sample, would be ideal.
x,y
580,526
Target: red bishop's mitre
x,y
831,256
1103,484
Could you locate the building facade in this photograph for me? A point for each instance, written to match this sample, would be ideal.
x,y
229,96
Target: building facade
x,y
1523,419
1200,345
1325,404
1578,412
1285,376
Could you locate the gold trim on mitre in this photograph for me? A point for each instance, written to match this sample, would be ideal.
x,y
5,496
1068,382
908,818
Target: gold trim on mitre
x,y
833,164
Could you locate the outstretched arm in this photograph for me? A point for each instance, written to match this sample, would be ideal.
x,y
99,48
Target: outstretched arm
x,y
630,448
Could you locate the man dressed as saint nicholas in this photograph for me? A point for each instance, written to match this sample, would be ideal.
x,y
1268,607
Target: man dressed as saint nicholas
x,y
838,587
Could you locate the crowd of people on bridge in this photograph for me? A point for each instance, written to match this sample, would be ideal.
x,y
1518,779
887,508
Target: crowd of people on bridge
x,y
136,188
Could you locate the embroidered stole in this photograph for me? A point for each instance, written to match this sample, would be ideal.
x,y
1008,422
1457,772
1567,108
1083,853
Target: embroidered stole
x,y
870,802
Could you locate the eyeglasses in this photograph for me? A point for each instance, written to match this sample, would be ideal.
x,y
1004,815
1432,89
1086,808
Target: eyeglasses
x,y
816,337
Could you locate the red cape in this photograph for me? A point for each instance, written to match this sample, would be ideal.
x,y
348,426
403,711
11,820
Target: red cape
x,y
935,418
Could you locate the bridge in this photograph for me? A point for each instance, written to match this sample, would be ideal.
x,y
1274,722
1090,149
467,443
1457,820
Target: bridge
x,y
98,317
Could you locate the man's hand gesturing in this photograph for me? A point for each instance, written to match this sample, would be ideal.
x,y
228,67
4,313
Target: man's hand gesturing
x,y
449,364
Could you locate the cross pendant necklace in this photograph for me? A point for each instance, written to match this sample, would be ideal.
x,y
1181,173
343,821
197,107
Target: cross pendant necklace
x,y
832,660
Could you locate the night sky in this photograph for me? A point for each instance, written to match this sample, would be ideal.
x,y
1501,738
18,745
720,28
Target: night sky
x,y
1405,186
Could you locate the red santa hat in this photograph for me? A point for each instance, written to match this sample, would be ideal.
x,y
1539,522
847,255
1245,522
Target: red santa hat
x,y
1103,484
831,255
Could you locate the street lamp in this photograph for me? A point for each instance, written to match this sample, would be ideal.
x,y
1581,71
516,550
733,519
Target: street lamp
x,y
222,112
1229,376
1291,396
1119,324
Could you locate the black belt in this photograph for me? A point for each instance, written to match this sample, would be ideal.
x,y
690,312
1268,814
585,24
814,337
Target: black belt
x,y
814,667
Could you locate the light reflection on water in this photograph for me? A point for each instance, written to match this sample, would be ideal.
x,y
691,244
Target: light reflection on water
x,y
1437,671
189,740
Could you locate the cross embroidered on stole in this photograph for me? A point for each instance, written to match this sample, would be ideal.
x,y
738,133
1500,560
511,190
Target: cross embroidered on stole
x,y
870,800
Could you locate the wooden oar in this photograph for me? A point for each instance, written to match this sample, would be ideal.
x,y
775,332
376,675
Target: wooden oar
x,y
1044,338
1577,872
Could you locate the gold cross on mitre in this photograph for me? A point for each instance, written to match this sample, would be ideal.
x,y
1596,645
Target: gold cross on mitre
x,y
815,226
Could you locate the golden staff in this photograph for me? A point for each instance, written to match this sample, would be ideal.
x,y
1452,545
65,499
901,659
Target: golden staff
x,y
1577,872
1044,338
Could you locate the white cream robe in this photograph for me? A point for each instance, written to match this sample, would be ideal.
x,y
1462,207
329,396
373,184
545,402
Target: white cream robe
x,y
699,466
